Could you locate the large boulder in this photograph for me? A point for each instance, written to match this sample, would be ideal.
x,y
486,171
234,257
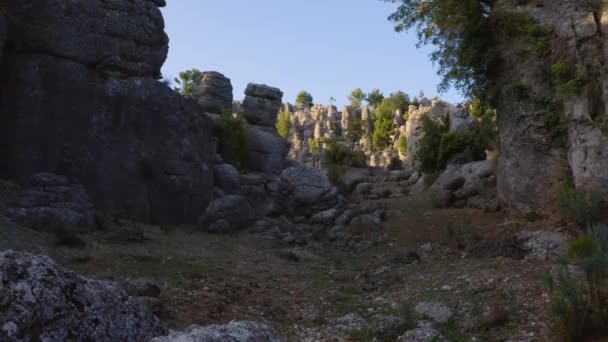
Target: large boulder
x,y
267,149
462,182
227,178
306,191
54,202
262,104
236,331
43,302
227,214
125,37
136,145
214,92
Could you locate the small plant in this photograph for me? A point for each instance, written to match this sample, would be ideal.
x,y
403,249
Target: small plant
x,y
579,287
283,125
403,144
234,146
583,205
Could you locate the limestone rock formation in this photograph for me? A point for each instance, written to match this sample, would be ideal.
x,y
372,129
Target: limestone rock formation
x,y
236,331
214,92
125,37
134,144
227,214
569,139
42,301
459,184
227,178
267,149
307,191
262,104
54,202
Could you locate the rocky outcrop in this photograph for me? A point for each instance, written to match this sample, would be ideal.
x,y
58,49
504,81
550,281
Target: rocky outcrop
x,y
125,37
41,301
261,105
214,92
552,123
237,331
542,245
306,191
227,214
53,203
134,144
227,178
466,185
267,149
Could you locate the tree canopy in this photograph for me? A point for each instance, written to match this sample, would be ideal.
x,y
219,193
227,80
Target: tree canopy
x,y
384,126
304,98
356,97
374,98
187,81
462,34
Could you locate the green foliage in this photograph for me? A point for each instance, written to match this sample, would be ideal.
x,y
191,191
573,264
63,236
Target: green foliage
x,y
374,98
460,30
384,125
403,144
399,101
585,206
313,145
233,144
356,97
283,125
304,98
339,154
451,144
579,287
428,151
187,81
355,130
415,102
567,78
523,26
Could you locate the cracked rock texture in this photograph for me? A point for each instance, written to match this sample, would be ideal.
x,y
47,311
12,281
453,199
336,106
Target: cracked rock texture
x,y
43,302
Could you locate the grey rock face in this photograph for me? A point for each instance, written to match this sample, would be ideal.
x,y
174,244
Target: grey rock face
x,y
133,143
267,150
227,178
238,331
42,301
227,215
54,202
262,104
578,145
214,92
124,37
264,91
542,244
2,34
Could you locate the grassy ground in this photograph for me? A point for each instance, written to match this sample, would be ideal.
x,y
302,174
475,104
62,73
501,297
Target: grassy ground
x,y
214,279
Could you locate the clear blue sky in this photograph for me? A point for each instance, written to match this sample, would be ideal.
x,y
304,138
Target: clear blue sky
x,y
327,47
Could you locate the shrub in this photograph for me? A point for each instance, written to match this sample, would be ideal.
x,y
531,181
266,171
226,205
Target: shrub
x,y
233,144
304,99
451,144
384,125
403,144
339,154
579,302
355,130
283,125
395,164
583,205
429,145
313,146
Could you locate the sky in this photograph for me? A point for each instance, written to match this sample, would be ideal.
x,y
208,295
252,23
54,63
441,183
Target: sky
x,y
326,47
